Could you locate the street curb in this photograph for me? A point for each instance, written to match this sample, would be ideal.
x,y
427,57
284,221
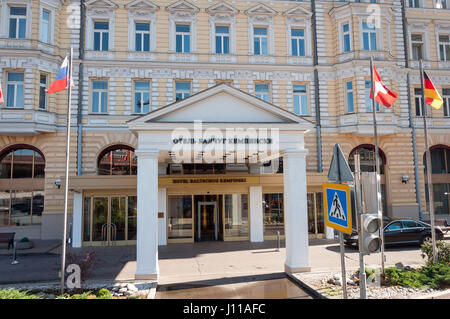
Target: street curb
x,y
434,295
309,289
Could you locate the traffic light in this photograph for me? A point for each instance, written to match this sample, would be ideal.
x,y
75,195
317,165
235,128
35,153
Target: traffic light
x,y
371,228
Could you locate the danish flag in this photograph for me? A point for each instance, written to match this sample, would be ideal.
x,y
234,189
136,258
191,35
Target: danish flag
x,y
382,94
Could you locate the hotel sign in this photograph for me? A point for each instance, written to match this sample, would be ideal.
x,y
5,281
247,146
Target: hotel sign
x,y
208,180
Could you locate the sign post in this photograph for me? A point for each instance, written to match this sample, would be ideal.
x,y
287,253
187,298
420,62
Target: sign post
x,y
337,203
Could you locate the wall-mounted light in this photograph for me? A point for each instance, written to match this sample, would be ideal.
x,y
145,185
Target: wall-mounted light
x,y
405,179
58,183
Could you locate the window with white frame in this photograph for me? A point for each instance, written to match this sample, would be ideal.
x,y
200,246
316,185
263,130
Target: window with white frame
x,y
446,98
417,46
183,38
45,26
182,90
142,37
222,39
43,81
262,91
101,35
369,37
300,99
349,96
414,3
298,42
346,47
17,22
441,4
141,97
14,89
367,86
418,100
444,47
260,41
99,96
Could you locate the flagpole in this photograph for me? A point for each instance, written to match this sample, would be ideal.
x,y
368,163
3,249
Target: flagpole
x,y
377,163
66,186
429,168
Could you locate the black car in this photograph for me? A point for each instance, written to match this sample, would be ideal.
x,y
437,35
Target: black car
x,y
404,231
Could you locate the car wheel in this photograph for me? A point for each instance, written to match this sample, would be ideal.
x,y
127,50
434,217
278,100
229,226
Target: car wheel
x,y
425,239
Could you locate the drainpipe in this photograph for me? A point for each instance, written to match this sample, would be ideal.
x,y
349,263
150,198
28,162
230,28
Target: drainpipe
x,y
316,87
411,120
80,90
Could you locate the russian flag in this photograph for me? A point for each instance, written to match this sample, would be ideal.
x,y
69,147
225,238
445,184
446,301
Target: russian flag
x,y
60,84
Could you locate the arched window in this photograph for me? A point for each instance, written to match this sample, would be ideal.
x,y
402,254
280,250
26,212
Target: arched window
x,y
440,159
22,161
21,202
117,160
367,158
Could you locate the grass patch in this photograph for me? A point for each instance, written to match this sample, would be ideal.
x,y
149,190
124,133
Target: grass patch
x,y
17,294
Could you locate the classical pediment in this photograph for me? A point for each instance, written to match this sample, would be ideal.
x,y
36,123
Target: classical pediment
x,y
298,11
142,5
261,9
221,104
222,7
101,4
182,6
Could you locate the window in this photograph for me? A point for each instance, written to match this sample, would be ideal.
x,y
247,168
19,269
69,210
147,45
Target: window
x,y
444,47
101,36
368,84
262,91
369,37
441,198
446,98
117,160
260,41
418,99
298,42
142,37
273,214
183,38
417,46
440,160
45,26
19,207
414,3
141,97
367,158
441,4
99,96
42,94
179,215
17,22
182,90
346,37
349,96
316,218
222,39
394,226
236,215
300,99
14,89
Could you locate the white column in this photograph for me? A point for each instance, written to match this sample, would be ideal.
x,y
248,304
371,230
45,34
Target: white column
x,y
162,227
256,214
77,220
296,212
147,216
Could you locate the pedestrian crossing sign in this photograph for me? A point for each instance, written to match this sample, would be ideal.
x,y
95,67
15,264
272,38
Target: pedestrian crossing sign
x,y
337,206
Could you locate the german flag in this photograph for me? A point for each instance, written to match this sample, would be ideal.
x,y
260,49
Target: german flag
x,y
432,96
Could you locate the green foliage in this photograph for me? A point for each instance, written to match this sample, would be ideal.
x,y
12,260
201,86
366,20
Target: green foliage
x,y
370,274
104,294
435,276
24,240
443,252
83,295
16,294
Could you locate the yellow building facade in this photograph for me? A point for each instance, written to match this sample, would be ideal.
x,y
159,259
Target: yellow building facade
x,y
131,58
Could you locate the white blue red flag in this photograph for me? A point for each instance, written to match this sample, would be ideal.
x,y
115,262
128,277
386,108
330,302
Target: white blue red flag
x,y
62,78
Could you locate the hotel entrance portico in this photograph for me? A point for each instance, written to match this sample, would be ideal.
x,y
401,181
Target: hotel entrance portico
x,y
208,167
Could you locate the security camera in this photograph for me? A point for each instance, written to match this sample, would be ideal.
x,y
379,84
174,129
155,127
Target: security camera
x,y
405,179
58,183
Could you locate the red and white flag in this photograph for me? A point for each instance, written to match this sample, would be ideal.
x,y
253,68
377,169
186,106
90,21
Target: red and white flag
x,y
2,100
382,94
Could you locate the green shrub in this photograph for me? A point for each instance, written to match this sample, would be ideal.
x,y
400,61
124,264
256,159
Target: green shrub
x,y
16,294
24,240
103,294
443,252
407,278
437,275
83,295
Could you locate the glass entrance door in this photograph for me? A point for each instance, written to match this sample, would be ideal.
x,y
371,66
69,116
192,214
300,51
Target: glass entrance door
x,y
109,219
207,221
